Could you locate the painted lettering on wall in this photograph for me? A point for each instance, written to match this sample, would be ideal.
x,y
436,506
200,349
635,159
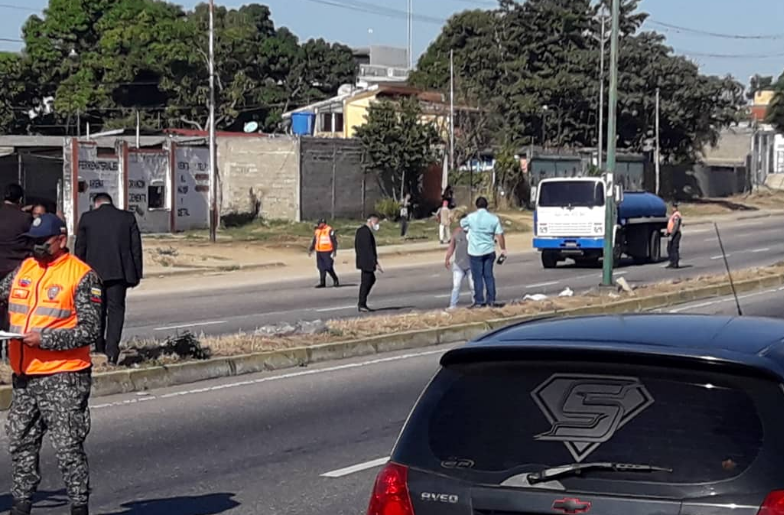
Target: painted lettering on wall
x,y
101,166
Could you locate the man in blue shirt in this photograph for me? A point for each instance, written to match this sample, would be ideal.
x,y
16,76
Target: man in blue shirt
x,y
483,228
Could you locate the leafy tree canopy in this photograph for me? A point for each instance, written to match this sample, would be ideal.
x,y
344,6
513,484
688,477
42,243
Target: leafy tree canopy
x,y
104,60
534,67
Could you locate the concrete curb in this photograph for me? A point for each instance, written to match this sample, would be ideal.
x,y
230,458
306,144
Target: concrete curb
x,y
135,380
217,269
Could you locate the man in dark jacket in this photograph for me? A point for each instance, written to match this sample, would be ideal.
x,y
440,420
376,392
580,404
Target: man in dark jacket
x,y
108,240
367,260
15,247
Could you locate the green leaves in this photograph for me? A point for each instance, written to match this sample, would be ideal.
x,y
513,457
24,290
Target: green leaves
x,y
398,145
151,56
776,109
533,67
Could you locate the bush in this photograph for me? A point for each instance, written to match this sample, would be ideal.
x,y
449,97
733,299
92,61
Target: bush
x,y
388,208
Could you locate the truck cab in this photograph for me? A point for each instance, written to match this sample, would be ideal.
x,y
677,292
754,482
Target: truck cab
x,y
569,222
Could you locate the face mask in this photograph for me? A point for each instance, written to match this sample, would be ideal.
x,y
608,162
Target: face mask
x,y
42,252
376,227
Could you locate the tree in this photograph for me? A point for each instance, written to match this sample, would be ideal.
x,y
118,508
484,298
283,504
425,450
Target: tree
x,y
398,146
105,60
775,114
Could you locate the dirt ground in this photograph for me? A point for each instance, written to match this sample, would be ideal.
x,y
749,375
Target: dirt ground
x,y
741,204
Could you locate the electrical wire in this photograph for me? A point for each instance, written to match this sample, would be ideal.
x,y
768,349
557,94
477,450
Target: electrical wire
x,y
699,32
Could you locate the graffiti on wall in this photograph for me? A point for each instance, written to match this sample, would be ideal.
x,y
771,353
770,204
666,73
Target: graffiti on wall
x,y
193,186
148,192
96,174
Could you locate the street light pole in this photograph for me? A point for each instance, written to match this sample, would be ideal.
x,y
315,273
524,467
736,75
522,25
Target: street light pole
x,y
612,140
452,110
658,140
603,19
213,150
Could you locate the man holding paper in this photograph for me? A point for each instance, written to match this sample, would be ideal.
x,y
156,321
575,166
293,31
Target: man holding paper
x,y
54,302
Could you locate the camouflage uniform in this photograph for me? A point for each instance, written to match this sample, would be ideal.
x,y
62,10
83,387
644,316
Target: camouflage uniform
x,y
57,404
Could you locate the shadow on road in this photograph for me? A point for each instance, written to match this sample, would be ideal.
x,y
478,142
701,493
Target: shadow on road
x,y
42,499
395,308
211,504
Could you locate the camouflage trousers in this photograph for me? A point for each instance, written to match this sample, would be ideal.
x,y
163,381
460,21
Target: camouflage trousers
x,y
57,405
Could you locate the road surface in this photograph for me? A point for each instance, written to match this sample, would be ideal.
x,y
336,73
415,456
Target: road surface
x,y
224,310
263,444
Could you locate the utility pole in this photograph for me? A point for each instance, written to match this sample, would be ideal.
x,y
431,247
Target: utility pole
x,y
452,110
658,141
603,19
410,42
612,140
213,160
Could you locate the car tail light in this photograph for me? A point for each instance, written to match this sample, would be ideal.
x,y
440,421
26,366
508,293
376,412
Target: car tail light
x,y
774,504
390,493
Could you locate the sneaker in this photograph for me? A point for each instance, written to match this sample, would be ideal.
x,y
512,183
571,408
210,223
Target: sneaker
x,y
21,508
365,309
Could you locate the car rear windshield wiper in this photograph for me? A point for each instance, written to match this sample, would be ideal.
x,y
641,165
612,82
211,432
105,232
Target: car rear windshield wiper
x,y
551,473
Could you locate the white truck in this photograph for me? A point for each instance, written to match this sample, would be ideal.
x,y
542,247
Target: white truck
x,y
570,216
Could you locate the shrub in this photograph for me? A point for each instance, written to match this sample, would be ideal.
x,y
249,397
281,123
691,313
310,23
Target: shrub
x,y
388,208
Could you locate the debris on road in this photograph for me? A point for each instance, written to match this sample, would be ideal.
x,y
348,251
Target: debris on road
x,y
537,297
568,292
285,329
625,285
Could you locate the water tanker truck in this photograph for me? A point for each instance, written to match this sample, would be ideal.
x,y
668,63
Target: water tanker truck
x,y
570,216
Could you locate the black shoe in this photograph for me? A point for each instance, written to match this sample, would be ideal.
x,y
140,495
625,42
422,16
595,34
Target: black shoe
x,y
319,286
477,306
80,510
365,309
336,284
22,508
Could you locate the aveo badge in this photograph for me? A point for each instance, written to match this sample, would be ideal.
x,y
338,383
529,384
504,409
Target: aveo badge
x,y
585,411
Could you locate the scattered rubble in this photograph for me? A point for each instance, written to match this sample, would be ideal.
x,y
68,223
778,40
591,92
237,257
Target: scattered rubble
x,y
285,329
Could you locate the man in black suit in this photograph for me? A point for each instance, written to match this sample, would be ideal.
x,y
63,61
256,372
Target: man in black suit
x,y
367,259
108,240
15,247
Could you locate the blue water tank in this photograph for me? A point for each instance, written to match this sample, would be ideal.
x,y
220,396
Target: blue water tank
x,y
641,205
302,124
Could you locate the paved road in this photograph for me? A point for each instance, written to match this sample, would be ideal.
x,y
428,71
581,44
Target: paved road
x,y
261,444
218,311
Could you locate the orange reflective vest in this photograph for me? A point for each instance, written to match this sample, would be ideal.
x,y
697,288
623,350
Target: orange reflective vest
x,y
324,239
44,298
673,221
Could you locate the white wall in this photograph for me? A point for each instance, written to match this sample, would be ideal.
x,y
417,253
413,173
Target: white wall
x,y
192,180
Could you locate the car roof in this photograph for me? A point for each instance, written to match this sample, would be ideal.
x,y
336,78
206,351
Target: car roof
x,y
746,341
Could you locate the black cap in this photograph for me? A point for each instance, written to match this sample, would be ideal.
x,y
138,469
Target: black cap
x,y
46,226
322,221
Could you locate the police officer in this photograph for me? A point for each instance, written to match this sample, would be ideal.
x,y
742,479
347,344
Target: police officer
x,y
54,300
674,232
325,243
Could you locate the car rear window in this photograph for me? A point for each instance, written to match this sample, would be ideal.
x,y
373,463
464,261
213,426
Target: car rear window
x,y
489,421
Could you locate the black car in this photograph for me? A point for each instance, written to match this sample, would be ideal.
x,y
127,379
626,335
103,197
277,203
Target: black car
x,y
624,415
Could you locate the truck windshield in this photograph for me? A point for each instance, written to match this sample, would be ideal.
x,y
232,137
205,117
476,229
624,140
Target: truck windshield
x,y
571,194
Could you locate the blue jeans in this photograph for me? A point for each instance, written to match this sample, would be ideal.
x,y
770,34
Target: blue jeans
x,y
482,271
458,275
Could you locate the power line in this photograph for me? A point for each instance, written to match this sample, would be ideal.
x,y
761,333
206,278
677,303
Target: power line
x,y
378,10
8,40
700,32
19,8
689,53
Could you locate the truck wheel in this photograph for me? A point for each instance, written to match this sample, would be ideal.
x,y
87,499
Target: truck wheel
x,y
549,259
655,247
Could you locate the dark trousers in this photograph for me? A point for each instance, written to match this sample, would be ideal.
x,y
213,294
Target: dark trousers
x,y
674,249
482,270
403,227
368,280
326,265
114,293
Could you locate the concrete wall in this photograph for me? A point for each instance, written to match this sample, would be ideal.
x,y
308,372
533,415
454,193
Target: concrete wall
x,y
684,182
39,175
259,177
333,181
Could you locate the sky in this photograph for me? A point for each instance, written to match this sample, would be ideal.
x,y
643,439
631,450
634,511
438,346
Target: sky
x,y
739,56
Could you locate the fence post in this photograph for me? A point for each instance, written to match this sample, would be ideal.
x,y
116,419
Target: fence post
x,y
334,174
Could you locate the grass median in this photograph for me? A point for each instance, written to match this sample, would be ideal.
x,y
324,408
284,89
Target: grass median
x,y
187,346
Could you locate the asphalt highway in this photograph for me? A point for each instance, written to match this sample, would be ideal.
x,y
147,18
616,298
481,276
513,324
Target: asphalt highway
x,y
244,308
302,442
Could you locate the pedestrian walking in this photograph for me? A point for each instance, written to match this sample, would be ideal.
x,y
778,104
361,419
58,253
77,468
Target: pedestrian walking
x,y
55,301
108,240
460,266
405,207
674,232
367,260
444,217
15,247
484,228
325,243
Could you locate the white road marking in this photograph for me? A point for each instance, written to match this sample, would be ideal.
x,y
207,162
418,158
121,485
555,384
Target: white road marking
x,y
716,258
757,251
341,308
192,324
724,300
260,380
356,468
542,285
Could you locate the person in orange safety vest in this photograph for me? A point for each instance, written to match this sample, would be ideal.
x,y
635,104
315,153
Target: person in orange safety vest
x,y
325,243
54,303
674,232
